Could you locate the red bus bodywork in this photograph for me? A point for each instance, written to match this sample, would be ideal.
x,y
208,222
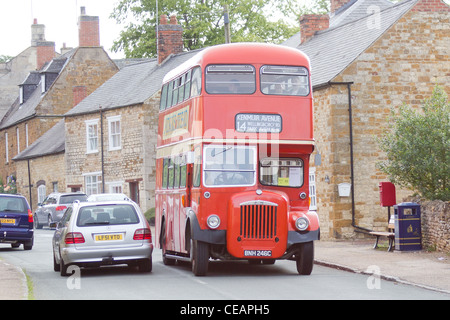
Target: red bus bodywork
x,y
257,220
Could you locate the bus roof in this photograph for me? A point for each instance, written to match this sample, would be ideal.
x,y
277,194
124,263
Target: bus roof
x,y
242,53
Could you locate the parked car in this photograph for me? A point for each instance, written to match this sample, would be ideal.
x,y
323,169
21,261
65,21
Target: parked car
x,y
16,221
53,207
94,234
107,197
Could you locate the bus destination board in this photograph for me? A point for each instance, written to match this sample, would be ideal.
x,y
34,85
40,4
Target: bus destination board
x,y
258,123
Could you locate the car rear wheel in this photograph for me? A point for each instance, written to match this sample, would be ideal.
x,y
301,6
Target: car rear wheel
x,y
56,266
145,265
63,268
28,245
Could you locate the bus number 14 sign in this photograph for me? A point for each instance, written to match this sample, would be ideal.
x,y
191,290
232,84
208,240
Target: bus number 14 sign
x,y
258,122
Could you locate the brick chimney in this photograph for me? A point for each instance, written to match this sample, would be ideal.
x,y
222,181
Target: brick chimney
x,y
45,50
431,6
311,23
336,4
79,93
88,30
170,38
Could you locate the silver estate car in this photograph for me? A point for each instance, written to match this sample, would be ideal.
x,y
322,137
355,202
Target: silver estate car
x,y
53,207
94,234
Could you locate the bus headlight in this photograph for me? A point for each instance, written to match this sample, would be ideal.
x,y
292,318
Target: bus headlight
x,y
213,221
302,223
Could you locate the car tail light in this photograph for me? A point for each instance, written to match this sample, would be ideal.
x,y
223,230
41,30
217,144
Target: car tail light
x,y
60,208
74,237
143,234
30,216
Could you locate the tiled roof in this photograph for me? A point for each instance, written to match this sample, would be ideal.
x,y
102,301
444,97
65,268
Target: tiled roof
x,y
335,48
132,85
51,142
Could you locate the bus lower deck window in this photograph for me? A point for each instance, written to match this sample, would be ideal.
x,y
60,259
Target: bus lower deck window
x,y
281,172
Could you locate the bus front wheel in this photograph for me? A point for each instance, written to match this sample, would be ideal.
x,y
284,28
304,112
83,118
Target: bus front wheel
x,y
199,257
305,258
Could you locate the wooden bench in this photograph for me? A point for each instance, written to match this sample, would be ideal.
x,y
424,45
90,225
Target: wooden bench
x,y
390,235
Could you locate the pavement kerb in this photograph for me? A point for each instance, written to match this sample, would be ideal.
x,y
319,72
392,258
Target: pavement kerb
x,y
382,276
13,281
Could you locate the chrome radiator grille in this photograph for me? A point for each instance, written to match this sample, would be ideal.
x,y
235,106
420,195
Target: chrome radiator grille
x,y
258,220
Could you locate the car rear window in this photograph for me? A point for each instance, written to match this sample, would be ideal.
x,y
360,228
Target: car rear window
x,y
71,198
12,204
107,215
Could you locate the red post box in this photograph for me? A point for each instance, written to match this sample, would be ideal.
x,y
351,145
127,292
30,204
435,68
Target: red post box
x,y
387,194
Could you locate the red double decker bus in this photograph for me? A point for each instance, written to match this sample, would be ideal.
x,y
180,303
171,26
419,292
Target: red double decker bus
x,y
234,140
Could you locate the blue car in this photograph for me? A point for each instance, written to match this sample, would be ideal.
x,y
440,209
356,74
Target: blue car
x,y
16,221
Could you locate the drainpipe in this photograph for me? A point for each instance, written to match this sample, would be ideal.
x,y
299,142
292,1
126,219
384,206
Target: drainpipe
x,y
101,146
352,180
29,185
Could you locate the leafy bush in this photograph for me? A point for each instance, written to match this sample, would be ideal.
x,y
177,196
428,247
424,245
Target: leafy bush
x,y
418,147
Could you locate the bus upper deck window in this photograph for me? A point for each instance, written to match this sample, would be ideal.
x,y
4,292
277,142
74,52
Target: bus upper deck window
x,y
196,83
230,79
163,103
284,80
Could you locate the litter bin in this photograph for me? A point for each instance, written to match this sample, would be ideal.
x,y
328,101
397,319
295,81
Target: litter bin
x,y
408,231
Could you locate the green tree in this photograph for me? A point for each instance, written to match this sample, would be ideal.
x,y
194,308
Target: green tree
x,y
418,147
203,22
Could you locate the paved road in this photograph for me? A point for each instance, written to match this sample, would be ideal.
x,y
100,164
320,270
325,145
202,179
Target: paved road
x,y
225,281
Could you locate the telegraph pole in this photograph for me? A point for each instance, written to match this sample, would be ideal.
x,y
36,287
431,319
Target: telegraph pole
x,y
227,24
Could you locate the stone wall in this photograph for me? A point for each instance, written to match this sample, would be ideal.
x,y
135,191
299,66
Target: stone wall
x,y
47,170
436,225
402,66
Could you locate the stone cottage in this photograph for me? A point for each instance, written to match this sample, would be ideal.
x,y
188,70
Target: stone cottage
x,y
45,97
111,135
367,56
14,71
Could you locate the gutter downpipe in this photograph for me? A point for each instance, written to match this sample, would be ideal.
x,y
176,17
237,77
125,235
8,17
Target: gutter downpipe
x,y
352,180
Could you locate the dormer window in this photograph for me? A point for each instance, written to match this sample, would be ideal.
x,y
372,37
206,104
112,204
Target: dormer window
x,y
43,83
21,95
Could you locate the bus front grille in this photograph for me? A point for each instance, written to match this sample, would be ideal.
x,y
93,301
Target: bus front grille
x,y
258,220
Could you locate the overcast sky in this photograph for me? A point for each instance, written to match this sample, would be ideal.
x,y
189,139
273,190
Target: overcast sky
x,y
60,19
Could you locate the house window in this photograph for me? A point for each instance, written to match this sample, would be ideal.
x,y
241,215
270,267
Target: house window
x,y
6,147
41,193
43,83
115,187
20,94
93,182
114,133
92,136
312,189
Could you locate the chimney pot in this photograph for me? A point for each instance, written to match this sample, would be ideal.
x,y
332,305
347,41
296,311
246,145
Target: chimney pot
x,y
173,19
163,19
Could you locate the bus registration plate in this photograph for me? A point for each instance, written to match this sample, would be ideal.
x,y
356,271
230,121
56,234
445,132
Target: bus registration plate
x,y
257,253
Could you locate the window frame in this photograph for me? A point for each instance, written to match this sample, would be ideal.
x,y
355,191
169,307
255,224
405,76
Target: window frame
x,y
233,71
265,183
111,135
90,123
